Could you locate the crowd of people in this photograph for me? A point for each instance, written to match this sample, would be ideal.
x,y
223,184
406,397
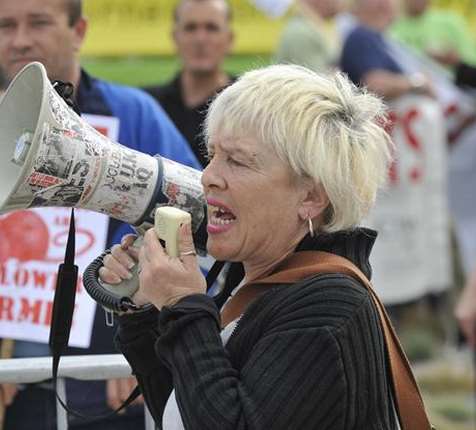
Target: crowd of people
x,y
274,188
398,49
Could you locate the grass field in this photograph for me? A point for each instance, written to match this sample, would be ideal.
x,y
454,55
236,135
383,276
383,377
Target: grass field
x,y
141,71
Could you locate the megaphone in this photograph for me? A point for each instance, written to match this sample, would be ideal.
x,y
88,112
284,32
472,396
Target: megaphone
x,y
54,158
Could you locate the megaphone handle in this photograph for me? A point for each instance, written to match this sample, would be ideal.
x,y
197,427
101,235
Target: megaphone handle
x,y
167,222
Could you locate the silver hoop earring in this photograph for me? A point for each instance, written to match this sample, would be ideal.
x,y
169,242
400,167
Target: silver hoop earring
x,y
311,227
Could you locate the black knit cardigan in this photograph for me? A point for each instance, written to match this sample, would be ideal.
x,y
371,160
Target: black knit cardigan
x,y
308,355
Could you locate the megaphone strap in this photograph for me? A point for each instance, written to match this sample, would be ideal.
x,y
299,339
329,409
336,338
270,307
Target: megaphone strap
x,y
89,418
66,91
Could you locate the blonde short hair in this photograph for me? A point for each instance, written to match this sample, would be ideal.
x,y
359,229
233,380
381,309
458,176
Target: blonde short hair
x,y
323,126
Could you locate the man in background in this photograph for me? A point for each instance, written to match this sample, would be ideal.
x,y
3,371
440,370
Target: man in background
x,y
441,34
52,32
367,53
390,70
313,36
203,38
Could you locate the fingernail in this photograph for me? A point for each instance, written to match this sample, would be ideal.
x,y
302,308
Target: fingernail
x,y
129,275
131,265
116,280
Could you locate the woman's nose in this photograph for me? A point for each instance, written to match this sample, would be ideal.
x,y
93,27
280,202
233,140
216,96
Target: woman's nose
x,y
212,176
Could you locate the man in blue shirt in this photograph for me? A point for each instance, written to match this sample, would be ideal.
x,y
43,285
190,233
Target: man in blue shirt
x,y
366,54
52,32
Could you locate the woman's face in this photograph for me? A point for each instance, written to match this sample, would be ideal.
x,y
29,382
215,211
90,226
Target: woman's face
x,y
255,212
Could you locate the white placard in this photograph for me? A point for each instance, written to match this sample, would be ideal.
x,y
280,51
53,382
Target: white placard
x,y
459,108
412,253
32,246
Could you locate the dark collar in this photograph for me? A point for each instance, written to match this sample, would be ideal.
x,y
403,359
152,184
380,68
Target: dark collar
x,y
355,245
176,87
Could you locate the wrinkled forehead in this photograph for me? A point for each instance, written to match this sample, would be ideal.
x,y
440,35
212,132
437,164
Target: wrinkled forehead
x,y
233,142
235,126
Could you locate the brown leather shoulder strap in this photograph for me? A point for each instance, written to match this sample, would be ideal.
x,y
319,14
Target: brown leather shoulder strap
x,y
302,265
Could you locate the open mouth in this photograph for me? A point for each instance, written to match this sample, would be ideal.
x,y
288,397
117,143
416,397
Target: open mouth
x,y
220,215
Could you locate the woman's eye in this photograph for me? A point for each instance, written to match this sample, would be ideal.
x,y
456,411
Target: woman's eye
x,y
234,162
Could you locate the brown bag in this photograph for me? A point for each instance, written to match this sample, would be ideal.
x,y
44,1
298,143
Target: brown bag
x,y
304,264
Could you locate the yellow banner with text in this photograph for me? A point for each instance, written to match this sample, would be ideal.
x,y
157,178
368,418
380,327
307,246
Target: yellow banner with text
x,y
142,27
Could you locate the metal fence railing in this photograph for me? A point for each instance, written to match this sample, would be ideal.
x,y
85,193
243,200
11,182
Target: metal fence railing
x,y
83,367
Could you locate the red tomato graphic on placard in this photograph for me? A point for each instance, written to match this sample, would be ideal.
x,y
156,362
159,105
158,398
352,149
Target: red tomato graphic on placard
x,y
23,236
5,253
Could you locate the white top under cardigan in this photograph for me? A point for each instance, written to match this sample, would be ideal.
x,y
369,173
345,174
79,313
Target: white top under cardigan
x,y
171,419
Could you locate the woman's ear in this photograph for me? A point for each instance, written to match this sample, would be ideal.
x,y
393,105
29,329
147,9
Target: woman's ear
x,y
314,203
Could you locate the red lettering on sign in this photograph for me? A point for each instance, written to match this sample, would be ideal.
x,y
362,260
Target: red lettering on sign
x,y
6,308
21,277
3,275
62,220
406,122
30,311
416,172
39,279
48,314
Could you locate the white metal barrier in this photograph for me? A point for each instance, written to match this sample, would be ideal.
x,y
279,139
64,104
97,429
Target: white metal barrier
x,y
83,367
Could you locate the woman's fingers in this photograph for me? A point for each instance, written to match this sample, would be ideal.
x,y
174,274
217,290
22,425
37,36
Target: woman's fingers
x,y
151,250
108,276
123,257
186,246
164,280
152,245
116,268
127,241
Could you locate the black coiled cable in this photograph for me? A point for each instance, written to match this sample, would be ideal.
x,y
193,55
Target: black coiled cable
x,y
102,296
123,304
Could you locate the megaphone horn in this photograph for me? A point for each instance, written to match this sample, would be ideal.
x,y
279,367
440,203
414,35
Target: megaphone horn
x,y
57,159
